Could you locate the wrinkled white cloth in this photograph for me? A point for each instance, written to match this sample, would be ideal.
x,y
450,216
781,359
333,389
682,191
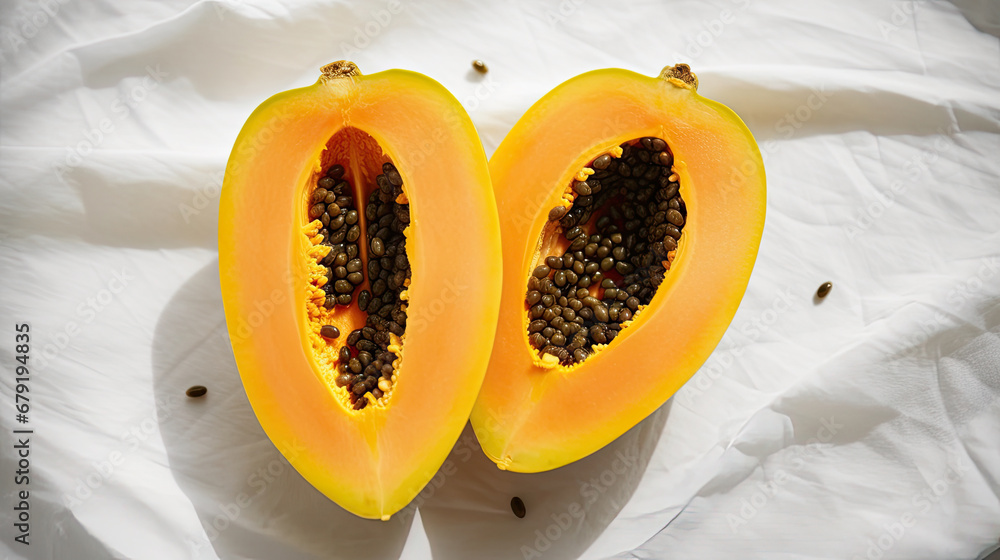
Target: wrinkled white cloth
x,y
862,426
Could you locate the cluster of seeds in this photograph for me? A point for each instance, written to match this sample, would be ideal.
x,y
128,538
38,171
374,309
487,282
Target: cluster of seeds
x,y
369,359
622,228
333,205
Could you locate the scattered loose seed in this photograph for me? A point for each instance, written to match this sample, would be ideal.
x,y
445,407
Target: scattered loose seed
x,y
480,66
196,391
824,289
517,506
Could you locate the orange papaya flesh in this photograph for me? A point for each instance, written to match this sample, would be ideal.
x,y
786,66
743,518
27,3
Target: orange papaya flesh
x,y
304,160
679,209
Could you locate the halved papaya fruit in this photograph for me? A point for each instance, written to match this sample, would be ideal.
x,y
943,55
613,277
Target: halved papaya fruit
x,y
631,210
358,242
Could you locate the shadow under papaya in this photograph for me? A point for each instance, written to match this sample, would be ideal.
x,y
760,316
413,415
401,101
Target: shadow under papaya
x,y
249,499
468,513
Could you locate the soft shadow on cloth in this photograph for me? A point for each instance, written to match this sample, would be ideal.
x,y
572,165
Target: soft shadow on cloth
x,y
249,499
252,503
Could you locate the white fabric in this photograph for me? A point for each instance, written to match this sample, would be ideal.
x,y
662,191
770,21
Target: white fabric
x,y
862,426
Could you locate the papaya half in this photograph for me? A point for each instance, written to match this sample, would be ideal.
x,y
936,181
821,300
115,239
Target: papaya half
x,y
358,243
631,210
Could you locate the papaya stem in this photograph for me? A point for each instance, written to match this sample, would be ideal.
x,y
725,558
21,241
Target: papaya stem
x,y
340,69
680,76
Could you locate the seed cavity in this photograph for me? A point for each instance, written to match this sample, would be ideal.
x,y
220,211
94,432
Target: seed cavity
x,y
370,273
618,231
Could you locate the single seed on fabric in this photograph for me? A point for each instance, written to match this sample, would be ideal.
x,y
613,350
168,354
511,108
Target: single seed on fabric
x,y
517,506
480,66
196,391
824,289
329,331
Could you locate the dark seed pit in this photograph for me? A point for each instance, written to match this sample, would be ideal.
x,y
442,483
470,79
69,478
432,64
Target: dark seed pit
x,y
364,358
624,223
